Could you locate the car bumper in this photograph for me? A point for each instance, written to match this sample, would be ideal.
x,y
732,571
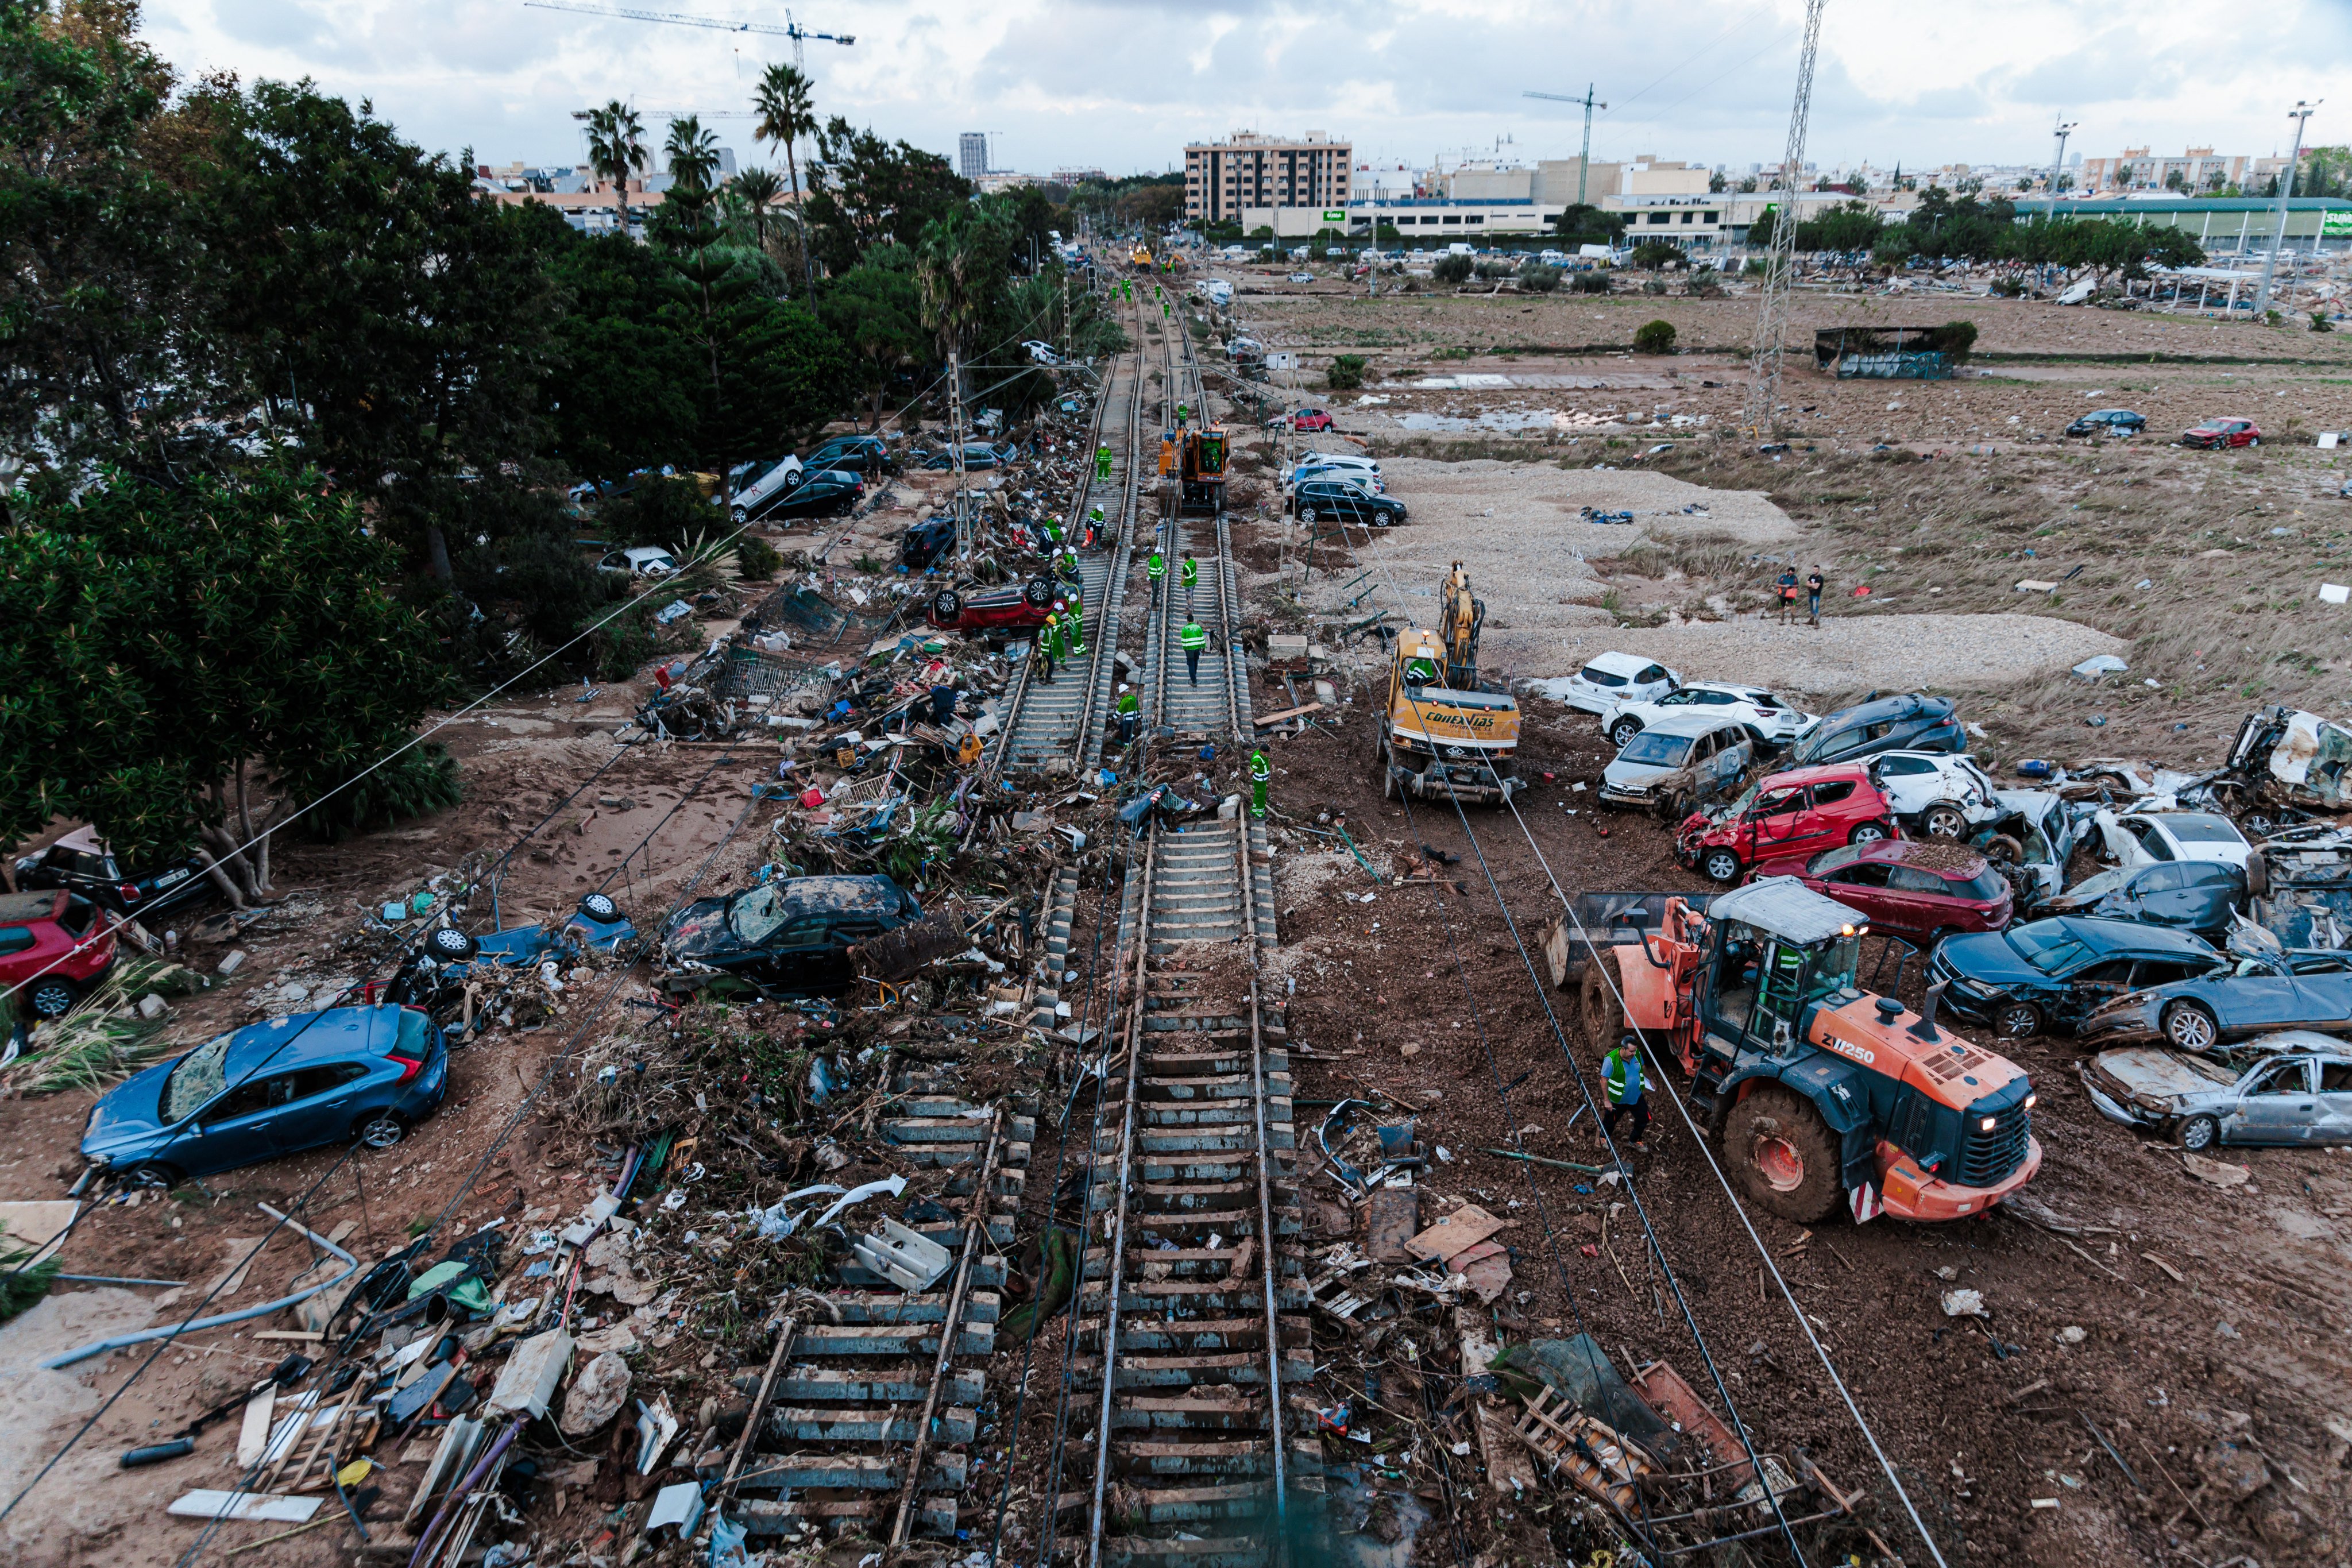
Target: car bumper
x,y
2115,1110
2125,1020
1633,797
1911,1193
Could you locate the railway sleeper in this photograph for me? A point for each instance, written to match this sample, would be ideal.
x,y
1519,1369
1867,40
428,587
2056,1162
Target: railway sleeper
x,y
767,1516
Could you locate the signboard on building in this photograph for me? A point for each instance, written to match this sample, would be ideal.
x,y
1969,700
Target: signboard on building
x,y
2335,222
1333,215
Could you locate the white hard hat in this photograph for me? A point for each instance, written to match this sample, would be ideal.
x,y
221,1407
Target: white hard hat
x,y
1122,686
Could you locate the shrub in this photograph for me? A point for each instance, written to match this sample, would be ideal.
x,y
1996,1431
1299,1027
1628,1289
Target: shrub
x,y
1653,285
2009,287
1452,270
1656,253
1493,268
1596,281
1956,338
1537,278
1655,338
1705,284
1347,371
755,559
2320,323
1757,267
658,511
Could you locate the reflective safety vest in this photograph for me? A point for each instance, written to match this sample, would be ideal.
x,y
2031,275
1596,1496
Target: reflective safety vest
x,y
1126,703
1191,571
1620,1071
1194,637
1260,769
1157,569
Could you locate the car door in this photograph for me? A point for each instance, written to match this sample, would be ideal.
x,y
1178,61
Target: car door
x,y
1817,826
235,1129
1732,751
2256,997
2327,1000
321,1104
1771,823
1863,888
2092,987
2146,835
2276,1104
804,957
2334,1123
1908,782
1917,898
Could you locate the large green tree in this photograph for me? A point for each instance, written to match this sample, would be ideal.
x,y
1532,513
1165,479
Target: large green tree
x,y
187,664
864,191
876,310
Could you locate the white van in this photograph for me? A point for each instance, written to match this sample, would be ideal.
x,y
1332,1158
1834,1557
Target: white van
x,y
1459,249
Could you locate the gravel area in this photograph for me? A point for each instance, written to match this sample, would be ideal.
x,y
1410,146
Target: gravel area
x,y
1890,652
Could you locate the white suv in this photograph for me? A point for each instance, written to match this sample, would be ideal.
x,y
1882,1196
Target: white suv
x,y
1936,794
1609,679
1765,716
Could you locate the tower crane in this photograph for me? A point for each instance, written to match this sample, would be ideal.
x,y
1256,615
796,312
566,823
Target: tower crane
x,y
1584,162
1772,309
790,30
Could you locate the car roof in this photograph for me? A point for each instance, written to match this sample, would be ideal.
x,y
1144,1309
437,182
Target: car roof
x,y
84,838
1820,773
1950,861
1618,663
647,552
1900,706
1730,686
2298,1043
19,907
843,895
1691,721
2108,936
331,1036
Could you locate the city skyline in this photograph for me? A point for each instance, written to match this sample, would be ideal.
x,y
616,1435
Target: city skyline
x,y
1061,82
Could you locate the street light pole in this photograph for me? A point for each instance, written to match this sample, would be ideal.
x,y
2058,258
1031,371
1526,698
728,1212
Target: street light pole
x,y
2301,112
2058,160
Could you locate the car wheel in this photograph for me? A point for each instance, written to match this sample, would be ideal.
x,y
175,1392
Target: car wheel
x,y
2256,441
1040,593
1868,832
1944,822
381,1130
2200,1132
599,907
740,514
2189,1027
947,604
153,1173
1625,731
52,996
2018,1020
449,945
1307,516
1719,865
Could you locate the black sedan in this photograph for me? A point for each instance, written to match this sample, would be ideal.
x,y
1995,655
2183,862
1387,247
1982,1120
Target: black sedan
x,y
2186,895
790,937
2108,422
2306,988
81,863
2044,976
826,493
858,454
1343,501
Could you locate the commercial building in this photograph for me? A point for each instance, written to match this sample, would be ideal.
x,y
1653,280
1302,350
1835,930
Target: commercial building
x,y
1226,182
2223,224
971,154
1657,198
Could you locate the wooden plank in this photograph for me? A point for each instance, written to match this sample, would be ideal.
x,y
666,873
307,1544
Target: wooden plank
x,y
1464,1229
1507,1460
1299,712
206,1503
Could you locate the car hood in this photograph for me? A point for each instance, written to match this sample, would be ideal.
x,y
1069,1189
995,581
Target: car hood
x,y
2086,892
1988,960
128,1113
1622,774
2157,1076
699,931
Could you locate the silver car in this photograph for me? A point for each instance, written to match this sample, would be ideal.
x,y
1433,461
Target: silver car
x,y
2298,1091
1681,761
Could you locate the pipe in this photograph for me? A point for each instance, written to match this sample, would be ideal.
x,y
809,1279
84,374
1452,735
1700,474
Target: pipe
x,y
144,1336
457,1493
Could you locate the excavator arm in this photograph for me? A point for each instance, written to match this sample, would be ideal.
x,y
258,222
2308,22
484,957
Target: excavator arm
x,y
1459,620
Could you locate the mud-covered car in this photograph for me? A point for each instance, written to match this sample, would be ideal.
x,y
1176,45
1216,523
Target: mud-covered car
x,y
791,937
2301,883
1678,763
2298,1091
1908,722
2284,761
2260,992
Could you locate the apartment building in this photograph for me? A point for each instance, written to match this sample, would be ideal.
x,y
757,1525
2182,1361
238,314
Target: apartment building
x,y
1223,181
2198,171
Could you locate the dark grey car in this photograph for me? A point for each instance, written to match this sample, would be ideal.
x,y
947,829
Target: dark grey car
x,y
2187,895
2298,1091
1911,722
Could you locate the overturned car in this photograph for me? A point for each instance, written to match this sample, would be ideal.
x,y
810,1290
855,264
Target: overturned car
x,y
2283,763
2297,1090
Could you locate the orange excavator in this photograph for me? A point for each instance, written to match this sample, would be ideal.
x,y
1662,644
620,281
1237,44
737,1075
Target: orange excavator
x,y
1819,1093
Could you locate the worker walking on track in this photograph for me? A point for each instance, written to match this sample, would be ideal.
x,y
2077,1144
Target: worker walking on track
x,y
1129,714
1260,770
1620,1074
1078,624
1156,569
1045,635
1192,576
1195,640
1102,463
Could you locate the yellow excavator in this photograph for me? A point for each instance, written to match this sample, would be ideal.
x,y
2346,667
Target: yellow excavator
x,y
1449,735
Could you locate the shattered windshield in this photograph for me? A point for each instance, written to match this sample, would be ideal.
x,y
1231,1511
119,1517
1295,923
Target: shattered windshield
x,y
198,1077
1661,751
758,913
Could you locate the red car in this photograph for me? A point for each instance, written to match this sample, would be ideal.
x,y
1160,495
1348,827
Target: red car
x,y
1787,816
1310,419
2218,435
996,609
55,944
1925,891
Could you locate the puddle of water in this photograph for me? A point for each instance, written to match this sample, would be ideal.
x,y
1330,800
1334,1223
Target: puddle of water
x,y
1499,419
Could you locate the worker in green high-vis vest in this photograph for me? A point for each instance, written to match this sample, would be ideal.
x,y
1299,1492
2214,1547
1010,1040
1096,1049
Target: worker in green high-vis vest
x,y
1259,772
1131,715
1192,576
1102,462
1195,640
1156,569
1077,622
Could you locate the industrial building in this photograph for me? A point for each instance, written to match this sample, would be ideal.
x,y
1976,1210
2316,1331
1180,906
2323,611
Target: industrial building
x,y
2223,224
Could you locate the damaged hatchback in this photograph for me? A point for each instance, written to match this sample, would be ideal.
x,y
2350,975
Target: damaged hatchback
x,y
2299,1092
791,937
2260,992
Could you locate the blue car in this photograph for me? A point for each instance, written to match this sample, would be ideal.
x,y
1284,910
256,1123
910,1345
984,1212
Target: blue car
x,y
278,1088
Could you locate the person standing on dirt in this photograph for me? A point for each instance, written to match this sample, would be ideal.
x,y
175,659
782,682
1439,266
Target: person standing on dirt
x,y
1195,640
1129,714
1192,576
1620,1074
1788,587
1813,596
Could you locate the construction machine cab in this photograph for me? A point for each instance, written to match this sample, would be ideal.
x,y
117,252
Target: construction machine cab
x,y
1772,957
1201,456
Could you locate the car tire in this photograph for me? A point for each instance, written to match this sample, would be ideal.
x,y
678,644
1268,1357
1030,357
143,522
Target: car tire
x,y
2258,876
947,604
1307,516
1943,822
599,907
153,1173
2017,1020
1782,1155
2200,1133
447,944
1869,833
2255,441
1624,733
1040,593
383,1129
2002,848
2190,1026
1721,866
52,996
741,515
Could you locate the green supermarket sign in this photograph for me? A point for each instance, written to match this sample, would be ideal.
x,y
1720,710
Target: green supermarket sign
x,y
1333,215
2335,221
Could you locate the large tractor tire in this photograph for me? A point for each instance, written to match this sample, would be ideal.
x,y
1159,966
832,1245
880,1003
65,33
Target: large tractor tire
x,y
1783,1155
1604,1015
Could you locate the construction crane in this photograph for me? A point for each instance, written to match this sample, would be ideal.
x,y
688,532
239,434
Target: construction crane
x,y
1772,310
1584,160
790,30
682,113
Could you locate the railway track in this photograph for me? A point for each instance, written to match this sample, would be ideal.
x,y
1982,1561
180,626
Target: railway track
x,y
1194,1344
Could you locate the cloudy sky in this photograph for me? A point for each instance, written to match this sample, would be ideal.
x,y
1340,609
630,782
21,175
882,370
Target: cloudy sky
x,y
1123,84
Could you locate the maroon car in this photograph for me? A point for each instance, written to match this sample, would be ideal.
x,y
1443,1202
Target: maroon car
x,y
2217,434
1923,890
994,609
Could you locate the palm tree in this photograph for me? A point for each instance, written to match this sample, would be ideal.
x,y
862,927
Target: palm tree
x,y
693,154
786,102
616,148
758,187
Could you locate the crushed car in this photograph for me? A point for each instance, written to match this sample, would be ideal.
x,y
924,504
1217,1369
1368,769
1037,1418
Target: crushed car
x,y
2200,896
2267,988
1925,891
81,863
2298,1091
1936,794
790,937
1682,761
2044,976
2301,886
2284,758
